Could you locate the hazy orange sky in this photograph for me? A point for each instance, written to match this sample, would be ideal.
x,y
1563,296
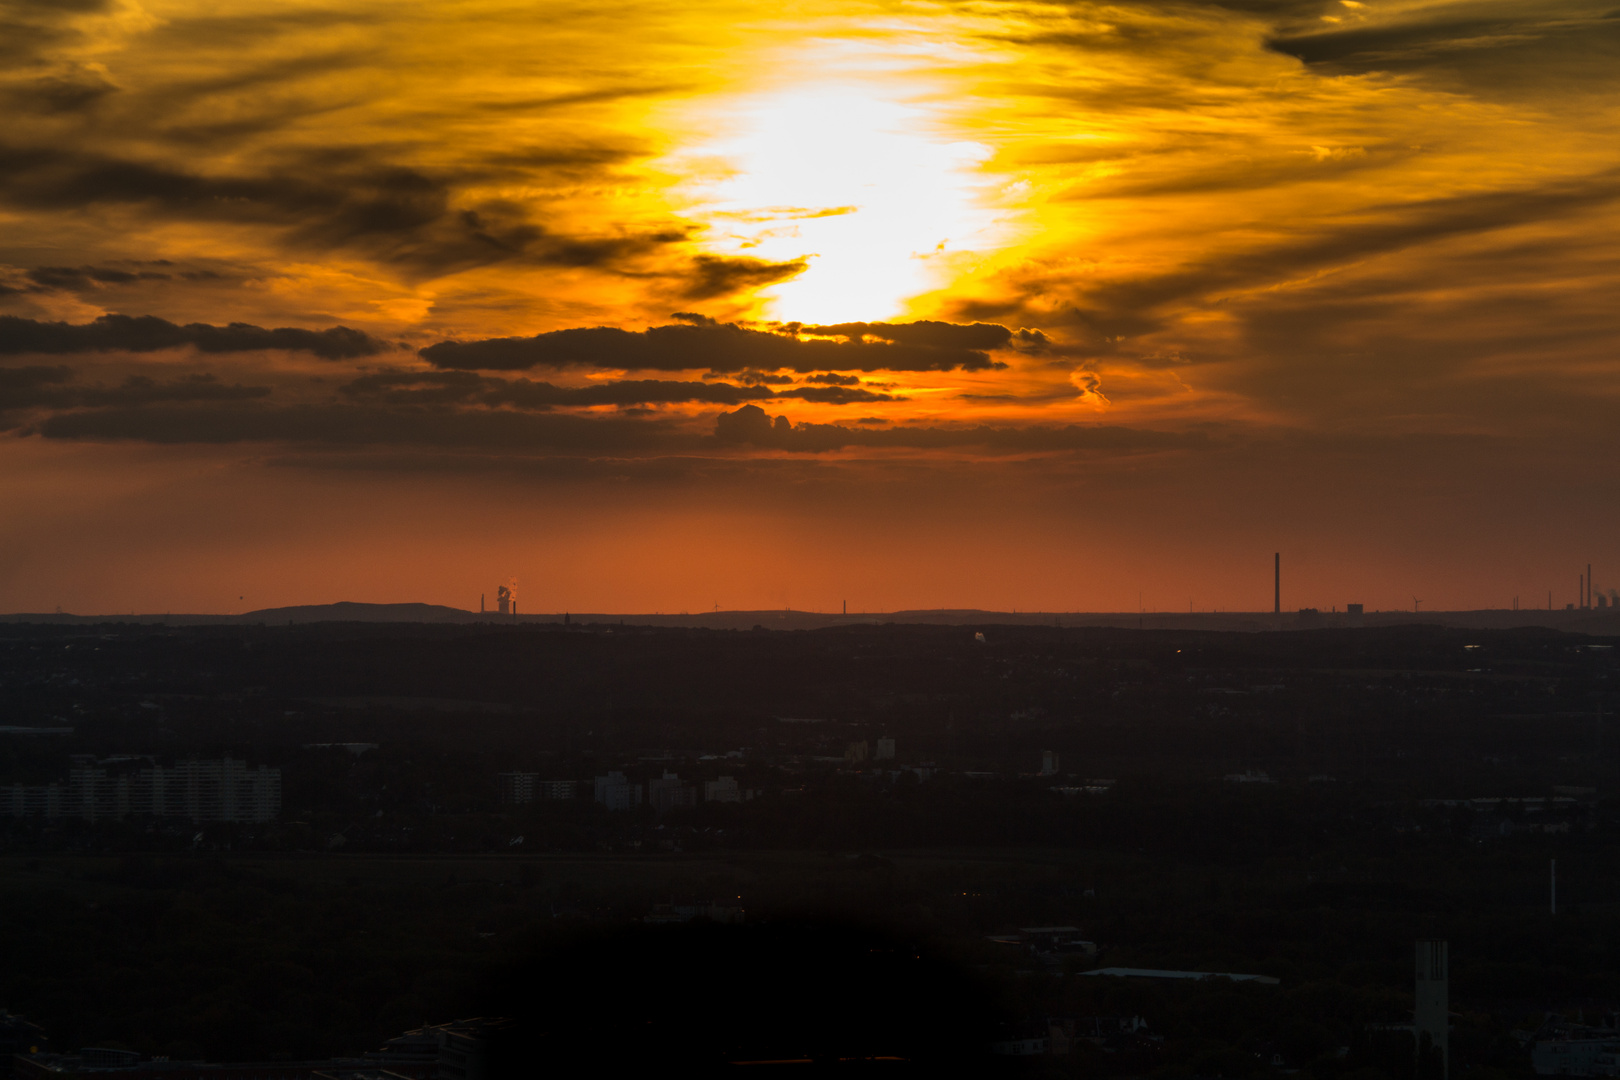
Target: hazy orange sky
x,y
658,306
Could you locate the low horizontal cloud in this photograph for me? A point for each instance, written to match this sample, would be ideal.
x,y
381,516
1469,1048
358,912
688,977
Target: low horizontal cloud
x,y
147,333
43,387
70,89
721,348
440,426
753,426
408,217
713,275
929,333
465,387
81,277
1438,32
360,425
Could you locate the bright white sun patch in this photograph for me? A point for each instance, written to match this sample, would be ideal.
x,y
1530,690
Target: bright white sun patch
x,y
859,184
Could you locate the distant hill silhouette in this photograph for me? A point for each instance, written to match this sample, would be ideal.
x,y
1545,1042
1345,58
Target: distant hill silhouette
x,y
342,611
350,611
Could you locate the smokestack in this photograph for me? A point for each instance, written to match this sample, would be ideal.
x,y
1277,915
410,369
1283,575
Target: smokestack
x,y
1588,584
1276,583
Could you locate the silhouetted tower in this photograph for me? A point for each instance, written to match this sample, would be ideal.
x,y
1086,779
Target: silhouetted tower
x,y
503,600
1432,1014
1276,584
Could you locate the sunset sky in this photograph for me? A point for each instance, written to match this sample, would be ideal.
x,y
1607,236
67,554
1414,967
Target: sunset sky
x,y
658,306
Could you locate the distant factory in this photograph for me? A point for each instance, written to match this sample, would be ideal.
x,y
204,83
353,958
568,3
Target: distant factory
x,y
505,600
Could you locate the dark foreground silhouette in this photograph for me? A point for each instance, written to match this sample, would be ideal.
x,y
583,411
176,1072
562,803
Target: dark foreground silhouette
x,y
702,996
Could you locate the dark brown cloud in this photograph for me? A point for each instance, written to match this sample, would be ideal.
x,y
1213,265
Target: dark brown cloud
x,y
71,89
1436,33
930,334
1488,49
360,425
223,415
465,387
41,387
147,333
720,348
85,277
404,216
715,276
29,28
752,426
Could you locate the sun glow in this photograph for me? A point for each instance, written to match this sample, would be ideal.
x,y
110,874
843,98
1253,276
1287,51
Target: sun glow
x,y
858,184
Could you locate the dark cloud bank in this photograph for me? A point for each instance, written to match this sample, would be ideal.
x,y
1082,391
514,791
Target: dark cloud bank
x,y
465,387
451,428
752,426
147,333
694,344
921,346
398,215
40,386
458,408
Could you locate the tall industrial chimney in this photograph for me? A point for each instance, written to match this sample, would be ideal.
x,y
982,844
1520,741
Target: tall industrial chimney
x,y
1276,583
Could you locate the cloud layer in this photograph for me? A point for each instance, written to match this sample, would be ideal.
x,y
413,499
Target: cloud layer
x,y
147,333
727,348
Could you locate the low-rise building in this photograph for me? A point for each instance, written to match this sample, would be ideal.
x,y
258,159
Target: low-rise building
x,y
726,789
517,788
215,789
1157,973
668,793
617,793
721,912
458,1050
1576,1057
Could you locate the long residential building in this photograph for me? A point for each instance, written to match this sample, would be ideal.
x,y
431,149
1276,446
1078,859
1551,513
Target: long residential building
x,y
220,789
